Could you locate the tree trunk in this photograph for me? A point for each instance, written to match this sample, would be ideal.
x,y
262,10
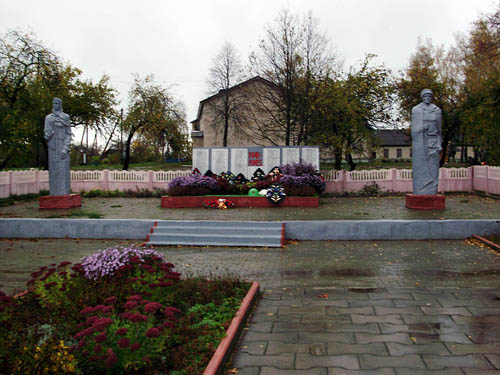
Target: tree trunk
x,y
126,161
352,164
338,159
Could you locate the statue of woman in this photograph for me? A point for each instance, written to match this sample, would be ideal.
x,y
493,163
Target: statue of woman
x,y
426,145
58,136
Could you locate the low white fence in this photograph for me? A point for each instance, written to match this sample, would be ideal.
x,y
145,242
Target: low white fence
x,y
481,178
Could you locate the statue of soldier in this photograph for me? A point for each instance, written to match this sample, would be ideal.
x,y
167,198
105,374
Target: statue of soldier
x,y
58,136
426,145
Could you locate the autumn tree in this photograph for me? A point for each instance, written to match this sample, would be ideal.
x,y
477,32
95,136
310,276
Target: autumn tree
x,y
225,73
439,70
349,107
154,114
30,77
481,110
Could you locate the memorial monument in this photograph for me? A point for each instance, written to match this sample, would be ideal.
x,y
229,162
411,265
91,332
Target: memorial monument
x,y
57,133
426,151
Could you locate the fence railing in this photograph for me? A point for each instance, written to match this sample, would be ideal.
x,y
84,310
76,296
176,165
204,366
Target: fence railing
x,y
481,178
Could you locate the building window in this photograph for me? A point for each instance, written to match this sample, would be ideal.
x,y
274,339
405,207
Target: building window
x,y
411,153
374,155
399,153
386,153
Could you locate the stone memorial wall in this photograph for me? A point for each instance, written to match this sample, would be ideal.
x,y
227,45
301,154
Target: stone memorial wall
x,y
247,160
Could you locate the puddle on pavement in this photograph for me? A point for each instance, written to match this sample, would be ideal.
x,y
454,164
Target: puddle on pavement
x,y
347,272
363,290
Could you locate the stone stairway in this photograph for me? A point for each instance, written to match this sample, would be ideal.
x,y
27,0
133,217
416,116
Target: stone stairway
x,y
217,233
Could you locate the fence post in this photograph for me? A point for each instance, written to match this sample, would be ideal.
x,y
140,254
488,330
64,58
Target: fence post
x,y
487,181
37,181
470,173
344,182
11,188
150,179
105,176
393,182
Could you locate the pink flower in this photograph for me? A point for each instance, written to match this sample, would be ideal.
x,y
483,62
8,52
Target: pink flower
x,y
121,331
135,346
152,307
101,337
153,332
123,343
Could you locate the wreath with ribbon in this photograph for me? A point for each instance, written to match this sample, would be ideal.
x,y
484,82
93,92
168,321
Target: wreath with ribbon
x,y
221,204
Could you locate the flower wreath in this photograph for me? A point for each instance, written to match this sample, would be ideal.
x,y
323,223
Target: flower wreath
x,y
221,204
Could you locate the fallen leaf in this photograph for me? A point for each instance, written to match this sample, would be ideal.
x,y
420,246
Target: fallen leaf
x,y
233,371
325,296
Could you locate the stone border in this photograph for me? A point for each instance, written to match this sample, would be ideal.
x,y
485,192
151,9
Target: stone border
x,y
239,201
226,345
298,230
491,244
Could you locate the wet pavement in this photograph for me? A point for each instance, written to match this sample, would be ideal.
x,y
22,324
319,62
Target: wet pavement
x,y
338,307
458,206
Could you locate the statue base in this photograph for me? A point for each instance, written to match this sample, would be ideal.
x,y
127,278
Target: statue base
x,y
425,202
60,201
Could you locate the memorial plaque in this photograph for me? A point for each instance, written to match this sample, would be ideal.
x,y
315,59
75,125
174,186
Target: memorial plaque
x,y
201,159
310,155
239,161
290,155
220,158
272,158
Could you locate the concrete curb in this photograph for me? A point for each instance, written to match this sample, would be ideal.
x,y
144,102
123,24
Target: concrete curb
x,y
300,230
224,348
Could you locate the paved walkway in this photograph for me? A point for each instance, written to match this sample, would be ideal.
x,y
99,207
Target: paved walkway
x,y
336,308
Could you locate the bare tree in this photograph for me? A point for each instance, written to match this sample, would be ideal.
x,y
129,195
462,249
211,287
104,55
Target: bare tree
x,y
224,74
292,55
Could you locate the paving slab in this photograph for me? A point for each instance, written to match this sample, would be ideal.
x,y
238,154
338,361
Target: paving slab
x,y
336,307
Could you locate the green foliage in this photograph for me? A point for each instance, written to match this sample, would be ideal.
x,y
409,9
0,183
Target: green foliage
x,y
141,318
31,76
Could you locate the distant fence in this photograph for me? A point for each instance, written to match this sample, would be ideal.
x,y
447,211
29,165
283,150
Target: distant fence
x,y
479,178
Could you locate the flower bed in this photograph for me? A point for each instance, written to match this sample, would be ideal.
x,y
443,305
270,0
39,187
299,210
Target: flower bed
x,y
119,311
239,201
292,185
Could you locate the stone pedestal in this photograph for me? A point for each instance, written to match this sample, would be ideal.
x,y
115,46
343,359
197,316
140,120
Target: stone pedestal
x,y
60,201
425,202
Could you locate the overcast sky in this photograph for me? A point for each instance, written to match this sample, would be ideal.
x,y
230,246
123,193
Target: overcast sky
x,y
177,40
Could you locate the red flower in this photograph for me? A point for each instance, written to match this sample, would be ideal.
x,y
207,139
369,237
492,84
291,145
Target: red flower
x,y
153,332
125,315
110,300
137,317
62,264
168,324
135,346
87,310
111,358
97,348
85,353
81,343
102,323
50,285
121,331
84,333
130,305
170,312
134,298
123,343
94,358
91,319
152,307
135,259
62,273
101,337
165,283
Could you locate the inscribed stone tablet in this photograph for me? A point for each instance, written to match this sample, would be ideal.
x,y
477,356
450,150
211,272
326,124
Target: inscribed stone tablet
x,y
310,155
291,155
272,158
220,160
239,161
200,159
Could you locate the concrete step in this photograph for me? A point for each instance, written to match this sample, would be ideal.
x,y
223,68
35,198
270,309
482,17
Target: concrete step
x,y
217,233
